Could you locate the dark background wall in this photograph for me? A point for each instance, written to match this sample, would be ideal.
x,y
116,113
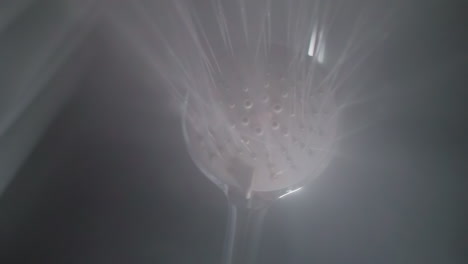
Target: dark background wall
x,y
110,181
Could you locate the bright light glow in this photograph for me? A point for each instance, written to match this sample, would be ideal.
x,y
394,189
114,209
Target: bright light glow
x,y
313,44
289,192
316,46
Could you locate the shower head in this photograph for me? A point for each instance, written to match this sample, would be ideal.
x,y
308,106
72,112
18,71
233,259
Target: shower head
x,y
265,125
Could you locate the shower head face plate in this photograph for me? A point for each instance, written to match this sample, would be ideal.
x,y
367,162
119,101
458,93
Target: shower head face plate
x,y
264,125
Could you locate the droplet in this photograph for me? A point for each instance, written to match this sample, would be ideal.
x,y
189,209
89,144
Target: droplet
x,y
277,108
276,175
245,121
259,131
232,106
265,99
284,94
245,140
248,104
285,132
245,89
275,125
